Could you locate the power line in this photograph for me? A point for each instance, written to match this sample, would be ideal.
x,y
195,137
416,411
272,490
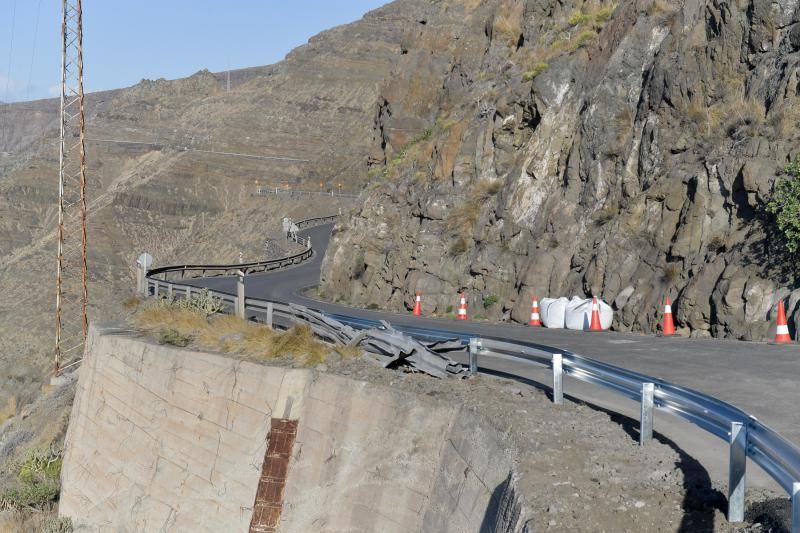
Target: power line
x,y
11,47
33,51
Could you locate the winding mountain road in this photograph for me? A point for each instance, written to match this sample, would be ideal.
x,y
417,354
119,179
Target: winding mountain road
x,y
760,378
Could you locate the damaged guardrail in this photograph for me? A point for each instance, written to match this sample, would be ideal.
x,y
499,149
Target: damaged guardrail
x,y
384,344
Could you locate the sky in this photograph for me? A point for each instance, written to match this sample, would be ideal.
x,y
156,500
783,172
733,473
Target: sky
x,y
128,40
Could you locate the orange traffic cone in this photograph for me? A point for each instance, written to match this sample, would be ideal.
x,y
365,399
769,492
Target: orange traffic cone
x,y
594,325
462,308
418,305
535,319
782,333
668,329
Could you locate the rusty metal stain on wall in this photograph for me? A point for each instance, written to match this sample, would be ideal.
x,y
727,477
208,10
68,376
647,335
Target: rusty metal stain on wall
x,y
269,497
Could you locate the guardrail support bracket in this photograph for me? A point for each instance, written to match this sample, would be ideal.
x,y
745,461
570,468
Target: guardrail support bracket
x,y
558,379
736,472
646,420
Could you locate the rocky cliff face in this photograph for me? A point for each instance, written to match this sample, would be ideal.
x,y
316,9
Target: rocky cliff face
x,y
553,148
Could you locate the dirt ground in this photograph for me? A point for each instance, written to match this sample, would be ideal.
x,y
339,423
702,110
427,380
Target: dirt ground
x,y
581,467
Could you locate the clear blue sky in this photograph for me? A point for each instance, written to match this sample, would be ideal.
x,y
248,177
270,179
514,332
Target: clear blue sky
x,y
127,40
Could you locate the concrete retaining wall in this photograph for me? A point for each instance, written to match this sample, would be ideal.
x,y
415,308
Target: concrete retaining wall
x,y
163,439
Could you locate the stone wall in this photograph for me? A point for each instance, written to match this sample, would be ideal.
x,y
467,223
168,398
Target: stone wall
x,y
174,440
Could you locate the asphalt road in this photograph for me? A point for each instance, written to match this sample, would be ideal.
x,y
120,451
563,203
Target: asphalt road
x,y
757,377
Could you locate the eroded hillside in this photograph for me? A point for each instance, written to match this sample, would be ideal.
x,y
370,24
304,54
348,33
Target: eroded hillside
x,y
162,180
556,148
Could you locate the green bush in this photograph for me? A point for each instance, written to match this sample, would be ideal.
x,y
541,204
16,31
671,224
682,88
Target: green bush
x,y
537,69
201,301
784,206
38,482
489,301
174,338
58,524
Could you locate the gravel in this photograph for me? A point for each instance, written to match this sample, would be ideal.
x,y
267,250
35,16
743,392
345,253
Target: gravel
x,y
580,467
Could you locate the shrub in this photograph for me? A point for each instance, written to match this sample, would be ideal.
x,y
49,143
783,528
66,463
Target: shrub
x,y
577,18
57,524
672,273
537,69
489,301
584,37
459,246
784,206
716,243
174,338
202,302
38,482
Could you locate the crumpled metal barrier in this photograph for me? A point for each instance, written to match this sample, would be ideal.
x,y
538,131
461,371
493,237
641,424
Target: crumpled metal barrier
x,y
385,344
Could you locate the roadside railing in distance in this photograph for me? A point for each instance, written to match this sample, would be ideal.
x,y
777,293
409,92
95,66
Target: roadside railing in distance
x,y
268,265
283,191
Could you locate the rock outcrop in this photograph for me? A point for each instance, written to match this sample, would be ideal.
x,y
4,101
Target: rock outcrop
x,y
556,148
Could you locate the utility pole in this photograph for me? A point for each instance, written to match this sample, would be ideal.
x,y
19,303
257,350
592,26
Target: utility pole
x,y
71,292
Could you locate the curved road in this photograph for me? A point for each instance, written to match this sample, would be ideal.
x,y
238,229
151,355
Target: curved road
x,y
757,377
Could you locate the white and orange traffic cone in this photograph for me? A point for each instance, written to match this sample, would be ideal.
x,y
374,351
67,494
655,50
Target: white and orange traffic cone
x,y
594,325
668,328
535,317
462,308
418,305
782,332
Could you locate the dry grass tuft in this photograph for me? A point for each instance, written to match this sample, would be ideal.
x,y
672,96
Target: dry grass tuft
x,y
157,318
508,22
230,334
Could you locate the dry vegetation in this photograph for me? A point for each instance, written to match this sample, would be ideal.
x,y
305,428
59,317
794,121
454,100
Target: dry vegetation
x,y
230,334
508,21
579,30
462,218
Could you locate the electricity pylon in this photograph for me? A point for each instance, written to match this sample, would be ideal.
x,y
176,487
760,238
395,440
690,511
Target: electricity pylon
x,y
71,295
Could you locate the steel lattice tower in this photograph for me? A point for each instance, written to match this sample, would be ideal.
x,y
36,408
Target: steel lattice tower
x,y
71,296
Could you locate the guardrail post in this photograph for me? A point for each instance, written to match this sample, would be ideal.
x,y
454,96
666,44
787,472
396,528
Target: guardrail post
x,y
169,291
646,420
558,380
188,291
474,348
795,507
269,315
141,288
240,294
736,472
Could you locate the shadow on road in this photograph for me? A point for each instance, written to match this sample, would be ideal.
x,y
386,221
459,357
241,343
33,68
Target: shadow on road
x,y
701,500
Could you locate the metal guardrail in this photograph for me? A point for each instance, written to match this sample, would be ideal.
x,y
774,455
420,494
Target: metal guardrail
x,y
747,437
267,265
277,191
